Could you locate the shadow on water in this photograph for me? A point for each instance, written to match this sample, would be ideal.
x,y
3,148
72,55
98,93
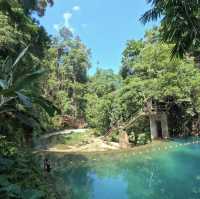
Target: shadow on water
x,y
70,173
45,143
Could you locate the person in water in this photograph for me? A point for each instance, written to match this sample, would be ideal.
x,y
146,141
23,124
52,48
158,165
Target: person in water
x,y
47,166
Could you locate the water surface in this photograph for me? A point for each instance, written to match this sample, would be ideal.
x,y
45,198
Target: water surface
x,y
167,174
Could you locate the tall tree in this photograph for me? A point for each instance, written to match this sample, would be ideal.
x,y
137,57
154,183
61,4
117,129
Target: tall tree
x,y
18,94
180,21
18,30
68,60
36,5
101,91
155,76
103,82
130,54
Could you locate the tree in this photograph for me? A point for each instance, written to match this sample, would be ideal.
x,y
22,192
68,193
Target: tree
x,y
175,82
180,22
130,54
101,90
36,5
68,61
99,111
18,96
155,76
18,30
21,101
103,82
65,34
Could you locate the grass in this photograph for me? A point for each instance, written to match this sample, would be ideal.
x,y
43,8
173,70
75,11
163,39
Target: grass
x,y
72,139
78,138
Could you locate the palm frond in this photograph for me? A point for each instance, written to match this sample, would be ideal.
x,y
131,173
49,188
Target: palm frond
x,y
150,15
180,23
27,79
24,100
20,57
46,105
3,84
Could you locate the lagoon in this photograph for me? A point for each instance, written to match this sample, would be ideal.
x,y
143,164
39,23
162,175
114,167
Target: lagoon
x,y
163,173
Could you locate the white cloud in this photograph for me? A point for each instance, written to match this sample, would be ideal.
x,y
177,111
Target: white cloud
x,y
67,16
56,27
76,8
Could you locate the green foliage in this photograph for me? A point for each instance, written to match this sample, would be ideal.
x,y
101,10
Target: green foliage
x,y
36,5
101,90
57,72
180,23
21,101
104,82
98,112
17,99
153,75
129,57
68,62
21,176
14,185
166,77
7,148
18,30
75,138
115,136
158,76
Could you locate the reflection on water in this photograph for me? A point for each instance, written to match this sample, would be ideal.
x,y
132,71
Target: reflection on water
x,y
107,184
170,174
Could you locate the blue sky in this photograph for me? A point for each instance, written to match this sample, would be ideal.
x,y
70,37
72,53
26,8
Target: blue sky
x,y
103,25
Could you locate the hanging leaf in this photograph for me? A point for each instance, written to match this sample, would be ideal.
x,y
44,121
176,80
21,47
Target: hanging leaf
x,y
27,79
24,99
3,84
46,105
20,57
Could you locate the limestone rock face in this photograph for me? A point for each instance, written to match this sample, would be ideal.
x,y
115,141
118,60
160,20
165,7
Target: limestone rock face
x,y
123,140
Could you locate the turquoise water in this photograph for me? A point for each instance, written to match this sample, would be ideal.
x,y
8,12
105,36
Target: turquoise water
x,y
165,174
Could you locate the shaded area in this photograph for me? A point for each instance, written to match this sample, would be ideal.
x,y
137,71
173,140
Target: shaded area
x,y
70,173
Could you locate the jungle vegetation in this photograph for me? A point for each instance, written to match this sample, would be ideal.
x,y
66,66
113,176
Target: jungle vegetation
x,y
45,85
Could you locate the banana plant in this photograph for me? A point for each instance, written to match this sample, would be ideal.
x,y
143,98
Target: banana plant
x,y
17,96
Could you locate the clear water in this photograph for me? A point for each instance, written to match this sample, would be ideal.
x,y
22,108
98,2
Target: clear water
x,y
165,174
